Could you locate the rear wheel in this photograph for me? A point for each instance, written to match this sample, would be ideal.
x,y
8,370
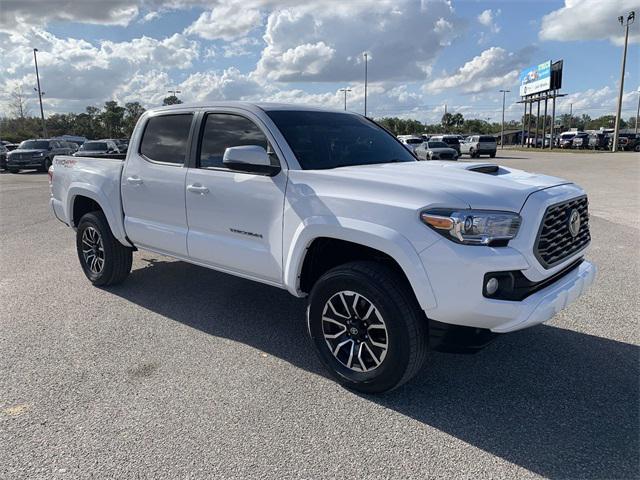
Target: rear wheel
x,y
493,155
46,163
367,326
104,260
472,153
14,170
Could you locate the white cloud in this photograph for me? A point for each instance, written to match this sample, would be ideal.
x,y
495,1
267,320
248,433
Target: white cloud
x,y
403,37
16,14
149,17
230,84
76,72
226,22
589,20
493,68
488,19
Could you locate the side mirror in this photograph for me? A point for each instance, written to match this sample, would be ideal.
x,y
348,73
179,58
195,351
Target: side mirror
x,y
249,158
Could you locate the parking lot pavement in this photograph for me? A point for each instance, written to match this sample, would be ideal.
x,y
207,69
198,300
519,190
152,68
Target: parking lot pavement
x,y
185,372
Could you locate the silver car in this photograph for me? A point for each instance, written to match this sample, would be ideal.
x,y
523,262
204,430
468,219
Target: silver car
x,y
434,150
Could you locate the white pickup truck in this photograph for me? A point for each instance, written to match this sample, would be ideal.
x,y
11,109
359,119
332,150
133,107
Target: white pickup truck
x,y
396,256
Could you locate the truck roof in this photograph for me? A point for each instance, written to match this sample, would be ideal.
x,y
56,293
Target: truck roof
x,y
251,106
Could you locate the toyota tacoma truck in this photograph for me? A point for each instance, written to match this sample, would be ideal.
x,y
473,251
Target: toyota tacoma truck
x,y
396,257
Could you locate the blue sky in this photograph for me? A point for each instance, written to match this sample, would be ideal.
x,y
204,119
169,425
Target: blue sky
x,y
424,54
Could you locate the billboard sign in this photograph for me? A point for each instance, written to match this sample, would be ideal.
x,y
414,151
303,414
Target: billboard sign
x,y
535,79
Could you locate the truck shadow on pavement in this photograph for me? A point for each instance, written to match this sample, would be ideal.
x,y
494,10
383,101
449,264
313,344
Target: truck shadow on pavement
x,y
556,402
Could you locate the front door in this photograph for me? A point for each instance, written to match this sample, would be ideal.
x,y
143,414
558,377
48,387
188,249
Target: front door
x,y
234,218
153,183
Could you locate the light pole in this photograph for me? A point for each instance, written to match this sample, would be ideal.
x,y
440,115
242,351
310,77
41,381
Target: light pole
x,y
504,92
630,18
638,111
345,90
44,125
366,58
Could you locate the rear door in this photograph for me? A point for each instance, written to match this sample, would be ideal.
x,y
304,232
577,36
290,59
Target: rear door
x,y
235,218
153,184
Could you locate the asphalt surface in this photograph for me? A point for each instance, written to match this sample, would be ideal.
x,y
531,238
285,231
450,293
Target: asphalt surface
x,y
182,372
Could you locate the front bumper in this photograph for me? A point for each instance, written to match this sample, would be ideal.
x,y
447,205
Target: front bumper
x,y
458,276
29,163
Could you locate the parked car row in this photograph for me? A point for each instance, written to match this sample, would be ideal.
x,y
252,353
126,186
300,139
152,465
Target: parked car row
x,y
39,153
598,141
449,147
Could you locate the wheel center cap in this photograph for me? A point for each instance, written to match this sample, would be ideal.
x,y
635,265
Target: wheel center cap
x,y
354,331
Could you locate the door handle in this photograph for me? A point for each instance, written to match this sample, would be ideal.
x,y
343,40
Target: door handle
x,y
197,188
134,181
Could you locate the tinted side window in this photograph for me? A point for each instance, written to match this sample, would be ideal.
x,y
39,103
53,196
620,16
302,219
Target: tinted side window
x,y
223,130
487,139
165,138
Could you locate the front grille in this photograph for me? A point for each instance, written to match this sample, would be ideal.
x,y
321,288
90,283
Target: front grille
x,y
555,241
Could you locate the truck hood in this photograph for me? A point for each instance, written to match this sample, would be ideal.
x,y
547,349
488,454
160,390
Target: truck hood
x,y
32,151
474,184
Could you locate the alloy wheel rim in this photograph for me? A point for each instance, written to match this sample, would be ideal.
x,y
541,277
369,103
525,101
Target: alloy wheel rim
x,y
93,249
355,331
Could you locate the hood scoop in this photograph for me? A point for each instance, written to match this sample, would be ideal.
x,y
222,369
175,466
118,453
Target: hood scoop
x,y
489,169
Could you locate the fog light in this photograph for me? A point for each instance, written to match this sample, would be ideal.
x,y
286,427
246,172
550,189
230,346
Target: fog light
x,y
492,286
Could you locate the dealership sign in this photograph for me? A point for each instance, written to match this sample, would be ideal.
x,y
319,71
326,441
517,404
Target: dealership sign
x,y
535,79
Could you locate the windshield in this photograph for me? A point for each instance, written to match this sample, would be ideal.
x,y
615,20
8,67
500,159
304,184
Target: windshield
x,y
451,140
322,140
414,141
94,146
34,145
438,145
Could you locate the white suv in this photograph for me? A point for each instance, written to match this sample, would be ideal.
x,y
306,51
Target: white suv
x,y
477,145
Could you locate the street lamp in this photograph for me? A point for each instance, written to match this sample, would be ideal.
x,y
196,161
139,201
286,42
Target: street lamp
x,y
366,58
504,92
44,125
630,18
345,90
637,111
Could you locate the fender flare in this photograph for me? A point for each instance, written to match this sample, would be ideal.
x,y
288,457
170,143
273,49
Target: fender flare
x,y
114,219
368,234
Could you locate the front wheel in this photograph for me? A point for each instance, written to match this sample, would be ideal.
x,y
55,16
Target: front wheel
x,y
46,163
104,260
367,326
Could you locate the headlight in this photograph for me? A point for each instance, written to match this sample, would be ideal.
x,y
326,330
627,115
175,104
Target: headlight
x,y
474,227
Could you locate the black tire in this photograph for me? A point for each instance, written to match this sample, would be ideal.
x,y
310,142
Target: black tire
x,y
117,258
46,163
14,170
472,153
406,325
492,155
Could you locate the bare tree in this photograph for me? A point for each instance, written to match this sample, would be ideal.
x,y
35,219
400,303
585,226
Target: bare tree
x,y
18,105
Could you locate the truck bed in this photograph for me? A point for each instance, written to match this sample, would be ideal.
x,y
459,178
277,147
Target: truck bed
x,y
96,178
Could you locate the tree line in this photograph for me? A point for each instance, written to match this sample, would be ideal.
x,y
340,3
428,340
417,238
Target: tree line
x,y
112,120
456,123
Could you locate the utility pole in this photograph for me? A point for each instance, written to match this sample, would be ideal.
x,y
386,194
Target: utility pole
x,y
345,90
638,111
630,18
44,125
504,92
366,58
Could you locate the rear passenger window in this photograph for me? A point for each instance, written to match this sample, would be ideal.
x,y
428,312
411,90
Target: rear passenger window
x,y
165,138
487,139
223,130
